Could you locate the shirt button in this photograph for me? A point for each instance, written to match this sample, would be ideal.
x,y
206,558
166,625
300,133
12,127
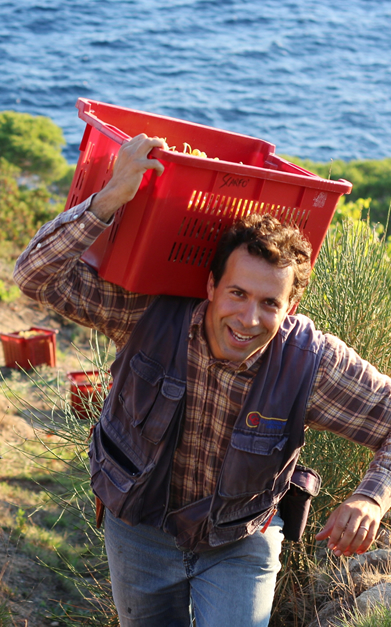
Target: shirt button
x,y
75,215
82,225
39,245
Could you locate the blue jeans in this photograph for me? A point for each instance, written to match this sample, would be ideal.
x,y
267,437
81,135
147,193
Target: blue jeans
x,y
153,581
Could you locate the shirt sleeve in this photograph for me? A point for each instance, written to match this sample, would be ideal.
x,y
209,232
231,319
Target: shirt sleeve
x,y
353,399
52,272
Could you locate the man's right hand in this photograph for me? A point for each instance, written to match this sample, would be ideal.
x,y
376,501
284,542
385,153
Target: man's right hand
x,y
131,164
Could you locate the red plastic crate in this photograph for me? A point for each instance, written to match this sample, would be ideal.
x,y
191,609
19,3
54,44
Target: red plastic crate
x,y
85,389
163,241
26,352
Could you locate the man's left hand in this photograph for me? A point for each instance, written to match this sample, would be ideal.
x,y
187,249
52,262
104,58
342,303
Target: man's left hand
x,y
352,527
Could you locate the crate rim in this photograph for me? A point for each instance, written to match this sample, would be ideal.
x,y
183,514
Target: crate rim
x,y
311,180
15,334
306,178
71,374
85,107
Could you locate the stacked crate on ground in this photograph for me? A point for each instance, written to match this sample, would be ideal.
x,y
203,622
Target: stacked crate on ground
x,y
163,241
26,349
87,390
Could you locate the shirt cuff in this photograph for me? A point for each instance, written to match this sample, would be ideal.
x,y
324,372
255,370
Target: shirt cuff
x,y
377,485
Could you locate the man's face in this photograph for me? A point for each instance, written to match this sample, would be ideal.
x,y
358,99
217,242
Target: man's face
x,y
248,305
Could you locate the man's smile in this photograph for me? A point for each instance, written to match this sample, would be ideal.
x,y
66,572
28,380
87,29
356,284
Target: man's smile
x,y
240,337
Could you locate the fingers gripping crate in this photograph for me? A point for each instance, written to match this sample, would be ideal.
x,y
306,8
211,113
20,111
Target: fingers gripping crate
x,y
26,349
87,392
163,241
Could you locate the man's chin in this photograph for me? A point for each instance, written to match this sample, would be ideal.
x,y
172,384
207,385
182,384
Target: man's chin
x,y
238,356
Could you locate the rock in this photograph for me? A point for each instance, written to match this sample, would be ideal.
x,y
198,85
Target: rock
x,y
384,537
380,594
326,615
379,559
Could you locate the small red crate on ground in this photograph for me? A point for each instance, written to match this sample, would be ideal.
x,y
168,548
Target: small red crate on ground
x,y
86,388
163,241
26,349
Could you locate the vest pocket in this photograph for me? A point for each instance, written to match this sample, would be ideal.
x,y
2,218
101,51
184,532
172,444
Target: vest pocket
x,y
258,443
149,397
252,463
111,481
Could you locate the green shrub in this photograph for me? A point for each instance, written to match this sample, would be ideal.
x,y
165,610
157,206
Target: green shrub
x,y
8,294
349,296
33,144
378,616
5,616
371,179
23,210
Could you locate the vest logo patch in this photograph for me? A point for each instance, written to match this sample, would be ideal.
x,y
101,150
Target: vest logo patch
x,y
254,419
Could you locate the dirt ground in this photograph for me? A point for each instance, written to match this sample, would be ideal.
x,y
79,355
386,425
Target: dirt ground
x,y
26,587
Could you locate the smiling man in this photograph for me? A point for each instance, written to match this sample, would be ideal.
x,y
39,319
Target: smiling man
x,y
201,432
245,312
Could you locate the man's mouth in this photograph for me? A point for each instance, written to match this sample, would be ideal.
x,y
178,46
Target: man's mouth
x,y
239,337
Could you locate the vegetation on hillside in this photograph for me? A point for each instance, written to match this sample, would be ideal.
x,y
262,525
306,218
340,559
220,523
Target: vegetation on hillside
x,y
33,144
34,176
371,179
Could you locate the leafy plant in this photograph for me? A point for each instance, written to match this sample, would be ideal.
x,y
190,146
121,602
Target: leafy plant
x,y
8,294
371,179
349,296
23,210
5,616
33,144
378,616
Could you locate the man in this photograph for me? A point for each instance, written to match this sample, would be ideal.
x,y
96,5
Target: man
x,y
203,426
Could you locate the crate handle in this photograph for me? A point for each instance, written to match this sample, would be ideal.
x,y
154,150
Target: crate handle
x,y
121,138
86,113
115,133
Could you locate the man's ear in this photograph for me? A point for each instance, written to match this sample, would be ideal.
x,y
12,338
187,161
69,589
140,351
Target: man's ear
x,y
210,286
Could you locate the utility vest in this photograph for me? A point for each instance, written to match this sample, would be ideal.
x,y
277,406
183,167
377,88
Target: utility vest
x,y
133,444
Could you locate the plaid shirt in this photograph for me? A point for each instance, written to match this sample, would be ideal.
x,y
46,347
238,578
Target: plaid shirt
x,y
349,396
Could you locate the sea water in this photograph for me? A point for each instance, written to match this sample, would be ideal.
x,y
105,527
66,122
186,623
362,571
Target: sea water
x,y
312,77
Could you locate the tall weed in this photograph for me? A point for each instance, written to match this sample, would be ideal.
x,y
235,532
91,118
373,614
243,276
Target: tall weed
x,y
349,296
378,616
59,452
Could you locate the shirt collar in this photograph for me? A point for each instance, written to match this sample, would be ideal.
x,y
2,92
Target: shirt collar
x,y
197,329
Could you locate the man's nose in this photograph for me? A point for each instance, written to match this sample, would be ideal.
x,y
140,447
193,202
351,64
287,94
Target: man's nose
x,y
249,315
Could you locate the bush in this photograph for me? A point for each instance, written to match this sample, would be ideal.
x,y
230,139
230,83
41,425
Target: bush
x,y
349,296
371,179
377,616
33,144
23,210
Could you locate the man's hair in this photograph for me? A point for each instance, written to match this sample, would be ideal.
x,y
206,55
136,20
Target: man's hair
x,y
280,244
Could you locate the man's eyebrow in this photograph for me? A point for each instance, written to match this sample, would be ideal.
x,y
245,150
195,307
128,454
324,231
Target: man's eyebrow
x,y
241,289
237,287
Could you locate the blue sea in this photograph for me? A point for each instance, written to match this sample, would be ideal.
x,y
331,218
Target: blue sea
x,y
312,77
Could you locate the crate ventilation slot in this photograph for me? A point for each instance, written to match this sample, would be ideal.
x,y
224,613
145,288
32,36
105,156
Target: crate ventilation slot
x,y
191,254
197,234
117,222
234,208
